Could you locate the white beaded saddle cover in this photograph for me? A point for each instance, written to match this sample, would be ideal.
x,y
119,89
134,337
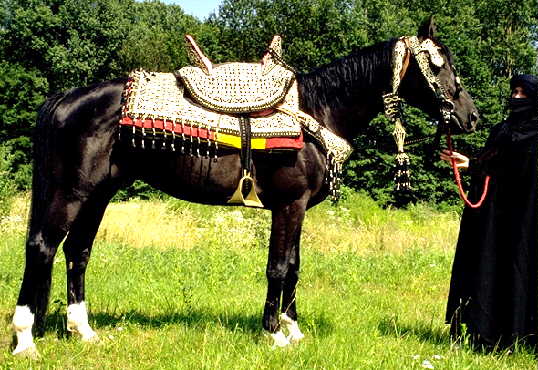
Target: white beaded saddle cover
x,y
237,87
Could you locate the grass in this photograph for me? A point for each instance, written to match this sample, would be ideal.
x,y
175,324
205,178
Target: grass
x,y
178,285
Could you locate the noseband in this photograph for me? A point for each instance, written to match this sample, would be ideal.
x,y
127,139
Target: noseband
x,y
424,52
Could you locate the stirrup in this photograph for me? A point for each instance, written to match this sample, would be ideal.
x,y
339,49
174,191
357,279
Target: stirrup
x,y
251,199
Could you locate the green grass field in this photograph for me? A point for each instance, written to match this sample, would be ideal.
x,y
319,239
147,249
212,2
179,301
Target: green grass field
x,y
185,290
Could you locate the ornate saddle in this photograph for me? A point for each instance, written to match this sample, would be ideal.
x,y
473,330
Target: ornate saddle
x,y
236,88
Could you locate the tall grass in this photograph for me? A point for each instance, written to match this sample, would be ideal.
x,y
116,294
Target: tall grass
x,y
179,285
357,225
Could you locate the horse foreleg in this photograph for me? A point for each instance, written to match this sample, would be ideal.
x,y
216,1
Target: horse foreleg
x,y
77,249
288,318
49,224
286,221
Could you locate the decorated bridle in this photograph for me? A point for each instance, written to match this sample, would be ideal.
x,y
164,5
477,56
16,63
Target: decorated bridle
x,y
425,53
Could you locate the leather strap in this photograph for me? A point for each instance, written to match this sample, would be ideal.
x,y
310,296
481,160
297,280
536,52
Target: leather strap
x,y
246,140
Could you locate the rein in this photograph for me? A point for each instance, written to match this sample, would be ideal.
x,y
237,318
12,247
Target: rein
x,y
457,177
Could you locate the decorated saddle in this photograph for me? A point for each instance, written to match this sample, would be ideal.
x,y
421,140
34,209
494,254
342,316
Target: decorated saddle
x,y
202,109
237,87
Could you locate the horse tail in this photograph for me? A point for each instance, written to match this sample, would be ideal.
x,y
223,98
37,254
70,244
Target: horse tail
x,y
43,141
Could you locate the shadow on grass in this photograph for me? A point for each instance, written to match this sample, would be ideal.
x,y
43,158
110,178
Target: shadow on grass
x,y
244,322
424,332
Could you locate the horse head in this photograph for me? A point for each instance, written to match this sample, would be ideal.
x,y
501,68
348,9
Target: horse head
x,y
429,81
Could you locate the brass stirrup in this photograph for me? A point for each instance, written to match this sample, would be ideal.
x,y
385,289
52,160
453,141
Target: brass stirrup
x,y
252,199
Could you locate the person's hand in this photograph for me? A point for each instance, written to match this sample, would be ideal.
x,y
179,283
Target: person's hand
x,y
461,160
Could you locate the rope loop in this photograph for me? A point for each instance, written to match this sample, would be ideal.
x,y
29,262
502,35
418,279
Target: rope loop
x,y
457,177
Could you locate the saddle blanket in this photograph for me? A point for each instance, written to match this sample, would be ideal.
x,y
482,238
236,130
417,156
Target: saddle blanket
x,y
155,104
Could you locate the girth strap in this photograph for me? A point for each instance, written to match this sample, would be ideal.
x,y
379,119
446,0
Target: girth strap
x,y
246,183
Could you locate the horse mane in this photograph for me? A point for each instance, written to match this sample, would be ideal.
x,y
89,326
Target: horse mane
x,y
347,79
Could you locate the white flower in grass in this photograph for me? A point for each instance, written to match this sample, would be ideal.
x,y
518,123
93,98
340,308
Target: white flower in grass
x,y
437,357
427,364
415,357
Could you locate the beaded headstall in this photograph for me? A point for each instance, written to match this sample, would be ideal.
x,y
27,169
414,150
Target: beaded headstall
x,y
424,52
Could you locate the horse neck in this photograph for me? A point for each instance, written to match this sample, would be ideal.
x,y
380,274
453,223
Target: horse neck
x,y
346,94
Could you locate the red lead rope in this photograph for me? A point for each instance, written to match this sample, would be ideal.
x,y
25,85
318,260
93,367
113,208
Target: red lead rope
x,y
458,180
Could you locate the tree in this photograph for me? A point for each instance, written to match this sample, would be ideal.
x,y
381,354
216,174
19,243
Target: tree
x,y
21,93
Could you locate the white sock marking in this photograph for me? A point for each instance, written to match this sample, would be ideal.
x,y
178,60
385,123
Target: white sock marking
x,y
77,322
291,326
23,320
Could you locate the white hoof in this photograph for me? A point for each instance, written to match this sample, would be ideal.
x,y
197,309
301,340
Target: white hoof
x,y
294,333
279,339
77,322
23,320
88,335
26,352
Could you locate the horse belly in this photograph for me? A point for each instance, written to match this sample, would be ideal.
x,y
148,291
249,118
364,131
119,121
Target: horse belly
x,y
196,179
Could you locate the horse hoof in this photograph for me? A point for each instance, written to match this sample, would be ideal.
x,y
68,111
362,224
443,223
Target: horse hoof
x,y
294,333
27,352
90,338
295,338
279,340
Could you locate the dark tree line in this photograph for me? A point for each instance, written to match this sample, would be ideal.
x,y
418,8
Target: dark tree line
x,y
54,45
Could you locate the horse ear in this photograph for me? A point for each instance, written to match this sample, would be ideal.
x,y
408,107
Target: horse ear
x,y
428,29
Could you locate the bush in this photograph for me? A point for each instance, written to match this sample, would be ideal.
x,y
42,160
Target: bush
x,y
7,185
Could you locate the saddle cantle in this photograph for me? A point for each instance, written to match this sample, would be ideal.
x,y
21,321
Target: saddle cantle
x,y
234,87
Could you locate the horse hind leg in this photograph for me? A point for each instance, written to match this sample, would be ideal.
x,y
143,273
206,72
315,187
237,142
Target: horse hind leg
x,y
288,317
49,223
287,221
77,249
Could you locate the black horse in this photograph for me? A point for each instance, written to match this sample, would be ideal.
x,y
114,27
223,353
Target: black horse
x,y
80,163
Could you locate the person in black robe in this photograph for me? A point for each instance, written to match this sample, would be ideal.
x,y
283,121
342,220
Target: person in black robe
x,y
493,297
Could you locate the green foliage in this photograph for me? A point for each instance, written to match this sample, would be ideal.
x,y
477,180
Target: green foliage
x,y
154,38
7,186
73,42
138,190
314,32
21,93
